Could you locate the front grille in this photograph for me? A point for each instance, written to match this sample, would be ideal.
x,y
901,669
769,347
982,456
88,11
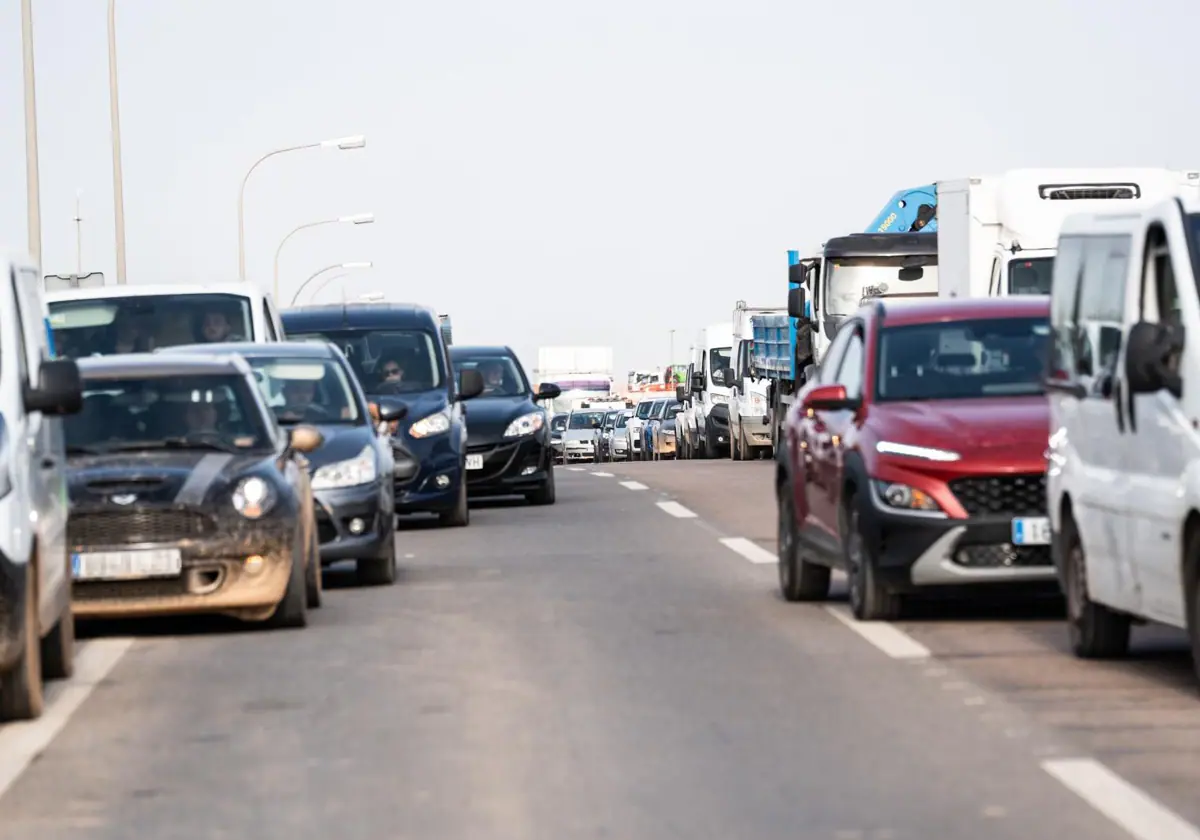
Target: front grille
x,y
128,590
1010,495
128,527
1003,556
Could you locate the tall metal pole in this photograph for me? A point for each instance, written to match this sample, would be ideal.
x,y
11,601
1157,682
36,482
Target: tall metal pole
x,y
78,235
671,358
115,111
32,186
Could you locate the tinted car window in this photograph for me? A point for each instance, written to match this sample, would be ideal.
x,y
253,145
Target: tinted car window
x,y
100,326
501,376
375,354
212,411
584,420
301,390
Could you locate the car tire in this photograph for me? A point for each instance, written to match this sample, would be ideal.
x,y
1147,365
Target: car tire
x,y
21,696
460,515
870,600
58,648
314,580
544,495
292,611
799,580
1096,632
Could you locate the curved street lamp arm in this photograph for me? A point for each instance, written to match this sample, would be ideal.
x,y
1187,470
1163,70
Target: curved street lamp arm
x,y
312,277
242,202
290,234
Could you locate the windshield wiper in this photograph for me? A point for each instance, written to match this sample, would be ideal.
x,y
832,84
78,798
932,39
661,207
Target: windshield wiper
x,y
168,443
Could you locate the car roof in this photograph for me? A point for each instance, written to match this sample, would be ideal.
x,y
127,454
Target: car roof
x,y
360,316
269,350
160,365
149,289
896,313
481,350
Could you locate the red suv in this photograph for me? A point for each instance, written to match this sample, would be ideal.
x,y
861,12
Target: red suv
x,y
915,461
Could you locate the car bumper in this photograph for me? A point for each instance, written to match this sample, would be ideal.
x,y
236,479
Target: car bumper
x,y
337,509
915,551
619,448
716,425
12,609
666,445
216,578
583,452
509,467
755,429
435,486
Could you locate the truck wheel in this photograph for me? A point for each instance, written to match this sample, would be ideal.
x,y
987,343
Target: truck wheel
x,y
799,580
870,600
58,647
21,686
1096,632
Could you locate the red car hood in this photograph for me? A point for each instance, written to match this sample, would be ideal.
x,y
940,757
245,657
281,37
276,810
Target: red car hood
x,y
1016,427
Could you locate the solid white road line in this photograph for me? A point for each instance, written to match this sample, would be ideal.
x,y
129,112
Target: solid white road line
x,y
676,510
634,485
752,551
575,469
1127,806
603,475
889,639
21,743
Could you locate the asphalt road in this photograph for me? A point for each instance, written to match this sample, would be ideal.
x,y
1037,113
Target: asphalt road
x,y
602,668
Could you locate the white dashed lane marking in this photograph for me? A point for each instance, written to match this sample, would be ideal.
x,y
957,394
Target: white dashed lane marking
x,y
891,640
603,475
752,551
634,485
575,469
21,743
677,510
1129,807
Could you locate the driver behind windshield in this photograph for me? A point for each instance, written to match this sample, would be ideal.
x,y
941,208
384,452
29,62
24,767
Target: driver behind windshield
x,y
493,377
201,418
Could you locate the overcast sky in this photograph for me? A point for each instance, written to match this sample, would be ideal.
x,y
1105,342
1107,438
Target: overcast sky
x,y
557,172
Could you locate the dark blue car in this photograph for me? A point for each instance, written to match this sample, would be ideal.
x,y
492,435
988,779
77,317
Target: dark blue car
x,y
398,351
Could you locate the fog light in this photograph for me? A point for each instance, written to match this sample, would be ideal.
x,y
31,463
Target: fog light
x,y
529,470
442,481
357,526
254,564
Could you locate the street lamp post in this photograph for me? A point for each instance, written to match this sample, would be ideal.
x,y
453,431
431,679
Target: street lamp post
x,y
671,358
343,143
316,274
359,219
115,112
33,203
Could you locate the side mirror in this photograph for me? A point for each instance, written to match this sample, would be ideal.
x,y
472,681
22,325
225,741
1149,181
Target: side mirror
x,y
829,398
389,412
795,303
1152,358
304,438
680,393
910,273
697,382
718,378
470,384
547,391
730,377
60,391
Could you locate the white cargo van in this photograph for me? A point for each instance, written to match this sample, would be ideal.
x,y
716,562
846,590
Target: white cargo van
x,y
1123,479
143,318
37,630
708,394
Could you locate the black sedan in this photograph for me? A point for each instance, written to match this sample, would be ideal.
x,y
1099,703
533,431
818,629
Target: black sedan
x,y
508,434
354,469
186,496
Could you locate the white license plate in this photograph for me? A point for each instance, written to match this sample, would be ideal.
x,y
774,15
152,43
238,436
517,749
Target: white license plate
x,y
474,462
1031,530
126,565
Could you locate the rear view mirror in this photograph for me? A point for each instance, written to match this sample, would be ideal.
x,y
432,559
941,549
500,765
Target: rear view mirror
x,y
828,398
1152,358
910,273
470,384
795,303
60,391
729,376
697,382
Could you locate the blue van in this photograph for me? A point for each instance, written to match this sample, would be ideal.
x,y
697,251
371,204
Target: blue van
x,y
399,353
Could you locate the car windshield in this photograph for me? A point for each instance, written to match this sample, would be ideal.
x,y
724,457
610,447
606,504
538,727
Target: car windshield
x,y
659,407
610,419
387,361
144,323
1030,277
622,420
851,282
214,411
301,390
584,419
673,410
718,358
643,410
962,359
501,376
558,423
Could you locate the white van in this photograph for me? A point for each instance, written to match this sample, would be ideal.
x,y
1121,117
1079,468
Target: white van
x,y
143,318
709,392
1123,479
37,630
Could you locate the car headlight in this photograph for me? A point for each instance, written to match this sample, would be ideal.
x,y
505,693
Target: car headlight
x,y
253,498
435,424
719,399
924,452
360,469
903,497
526,424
